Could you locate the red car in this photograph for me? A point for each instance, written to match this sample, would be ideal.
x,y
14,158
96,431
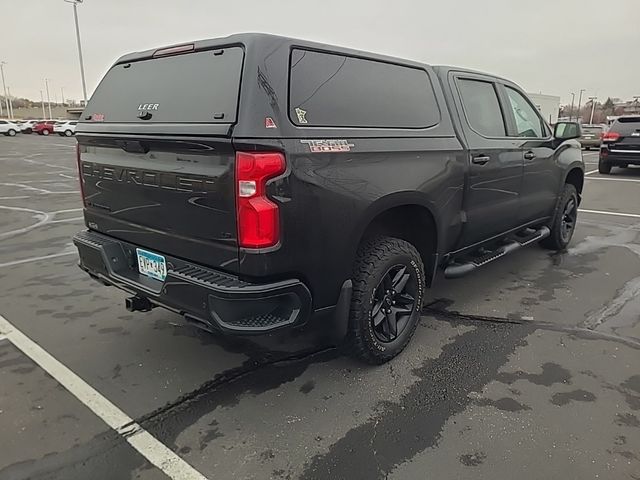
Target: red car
x,y
44,128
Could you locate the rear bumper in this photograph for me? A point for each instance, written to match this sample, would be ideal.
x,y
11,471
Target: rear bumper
x,y
588,142
616,157
212,299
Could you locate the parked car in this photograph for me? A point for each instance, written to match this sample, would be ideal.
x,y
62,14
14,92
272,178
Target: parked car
x,y
65,128
311,195
44,127
591,136
620,144
27,126
9,128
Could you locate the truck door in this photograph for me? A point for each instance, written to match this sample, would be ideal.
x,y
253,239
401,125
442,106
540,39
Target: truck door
x,y
492,196
540,174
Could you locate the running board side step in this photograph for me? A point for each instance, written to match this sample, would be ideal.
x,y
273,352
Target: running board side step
x,y
513,243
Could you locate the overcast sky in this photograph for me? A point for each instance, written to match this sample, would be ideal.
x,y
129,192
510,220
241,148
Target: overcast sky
x,y
549,46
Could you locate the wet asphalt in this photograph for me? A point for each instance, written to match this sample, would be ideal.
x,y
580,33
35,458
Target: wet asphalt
x,y
528,368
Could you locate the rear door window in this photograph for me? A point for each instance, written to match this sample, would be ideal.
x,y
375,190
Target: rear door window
x,y
482,107
328,90
200,87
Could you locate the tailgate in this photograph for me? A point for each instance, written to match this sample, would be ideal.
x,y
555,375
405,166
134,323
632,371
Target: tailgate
x,y
629,130
176,198
155,153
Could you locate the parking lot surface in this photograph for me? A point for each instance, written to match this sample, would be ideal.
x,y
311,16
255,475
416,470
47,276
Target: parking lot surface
x,y
528,368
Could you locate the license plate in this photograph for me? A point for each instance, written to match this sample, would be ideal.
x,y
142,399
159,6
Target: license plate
x,y
151,264
588,136
635,134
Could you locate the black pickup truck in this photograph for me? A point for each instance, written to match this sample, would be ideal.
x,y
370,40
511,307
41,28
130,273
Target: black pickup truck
x,y
255,182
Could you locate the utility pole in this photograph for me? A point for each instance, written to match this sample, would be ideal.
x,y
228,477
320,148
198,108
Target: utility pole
x,y
10,104
44,115
579,117
4,87
593,108
46,84
573,99
75,18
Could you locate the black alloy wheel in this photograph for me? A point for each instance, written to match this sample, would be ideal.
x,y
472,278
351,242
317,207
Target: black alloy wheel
x,y
394,303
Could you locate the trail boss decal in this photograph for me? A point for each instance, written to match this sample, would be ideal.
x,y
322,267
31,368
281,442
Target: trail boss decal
x,y
320,146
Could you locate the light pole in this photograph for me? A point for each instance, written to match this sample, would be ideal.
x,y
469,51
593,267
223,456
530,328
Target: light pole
x,y
593,108
573,99
44,115
4,87
579,117
635,100
62,93
46,85
10,103
75,18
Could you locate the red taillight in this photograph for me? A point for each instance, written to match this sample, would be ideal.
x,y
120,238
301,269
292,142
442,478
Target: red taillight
x,y
610,136
80,179
258,217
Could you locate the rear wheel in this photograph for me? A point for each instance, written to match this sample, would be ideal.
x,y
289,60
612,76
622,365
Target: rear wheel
x,y
604,166
45,132
68,133
11,132
388,289
564,220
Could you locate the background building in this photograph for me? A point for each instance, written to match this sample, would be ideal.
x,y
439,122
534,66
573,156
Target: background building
x,y
549,105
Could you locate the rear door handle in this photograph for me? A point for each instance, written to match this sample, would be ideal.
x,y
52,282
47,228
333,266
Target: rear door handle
x,y
480,159
529,155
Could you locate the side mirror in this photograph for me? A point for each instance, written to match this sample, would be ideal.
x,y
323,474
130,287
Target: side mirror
x,y
567,130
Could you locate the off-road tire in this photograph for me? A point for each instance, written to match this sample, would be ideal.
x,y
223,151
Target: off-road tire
x,y
374,259
556,240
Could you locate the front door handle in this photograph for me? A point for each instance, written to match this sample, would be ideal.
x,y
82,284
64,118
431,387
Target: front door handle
x,y
529,155
480,159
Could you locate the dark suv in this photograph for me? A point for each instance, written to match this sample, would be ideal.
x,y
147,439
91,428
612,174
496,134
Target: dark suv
x,y
620,144
294,182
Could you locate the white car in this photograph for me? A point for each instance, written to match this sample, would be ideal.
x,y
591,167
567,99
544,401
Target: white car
x,y
65,127
27,126
9,128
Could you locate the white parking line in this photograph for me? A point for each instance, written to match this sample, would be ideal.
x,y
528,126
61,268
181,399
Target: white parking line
x,y
148,446
589,173
35,259
67,210
74,219
616,179
3,337
615,214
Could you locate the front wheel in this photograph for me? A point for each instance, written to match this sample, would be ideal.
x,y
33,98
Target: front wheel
x,y
564,220
45,132
11,133
68,133
388,289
